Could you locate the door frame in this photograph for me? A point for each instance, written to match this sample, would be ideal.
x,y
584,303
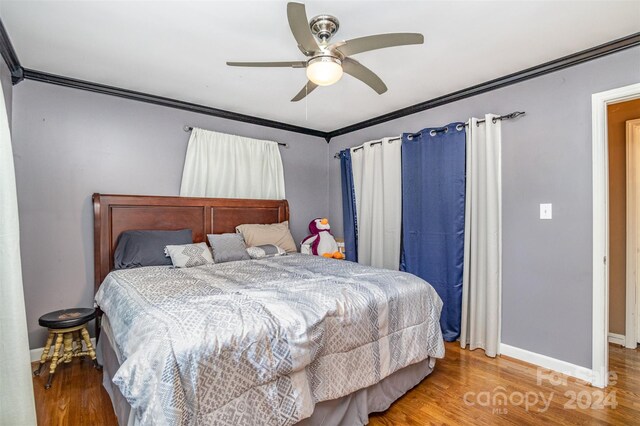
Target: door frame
x,y
632,322
600,180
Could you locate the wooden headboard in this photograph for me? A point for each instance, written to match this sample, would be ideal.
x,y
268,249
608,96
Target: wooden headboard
x,y
113,214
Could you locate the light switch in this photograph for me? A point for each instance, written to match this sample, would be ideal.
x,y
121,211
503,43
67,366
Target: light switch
x,y
545,211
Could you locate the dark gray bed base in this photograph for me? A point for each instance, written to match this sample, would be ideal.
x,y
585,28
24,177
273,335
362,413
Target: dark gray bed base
x,y
351,410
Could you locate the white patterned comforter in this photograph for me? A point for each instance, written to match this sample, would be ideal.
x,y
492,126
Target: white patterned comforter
x,y
261,341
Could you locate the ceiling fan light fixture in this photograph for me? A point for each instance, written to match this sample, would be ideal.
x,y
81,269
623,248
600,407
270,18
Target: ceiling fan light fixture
x,y
324,70
326,62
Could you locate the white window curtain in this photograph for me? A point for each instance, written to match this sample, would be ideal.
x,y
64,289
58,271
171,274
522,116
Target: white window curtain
x,y
16,386
377,181
482,276
227,166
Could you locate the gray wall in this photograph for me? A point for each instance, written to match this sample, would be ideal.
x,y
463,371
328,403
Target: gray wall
x,y
546,158
69,144
7,88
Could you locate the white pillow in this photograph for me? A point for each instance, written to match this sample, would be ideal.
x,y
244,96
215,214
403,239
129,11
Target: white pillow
x,y
188,255
265,250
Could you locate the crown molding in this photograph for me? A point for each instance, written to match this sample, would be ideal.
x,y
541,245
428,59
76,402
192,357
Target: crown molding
x,y
18,73
536,71
167,102
9,55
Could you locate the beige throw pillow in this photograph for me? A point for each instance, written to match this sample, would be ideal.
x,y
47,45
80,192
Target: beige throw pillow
x,y
276,233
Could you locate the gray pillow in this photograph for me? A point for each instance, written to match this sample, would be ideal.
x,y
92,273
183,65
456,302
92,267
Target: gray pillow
x,y
146,248
228,247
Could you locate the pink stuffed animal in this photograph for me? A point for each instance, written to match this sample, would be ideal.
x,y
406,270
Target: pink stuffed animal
x,y
321,240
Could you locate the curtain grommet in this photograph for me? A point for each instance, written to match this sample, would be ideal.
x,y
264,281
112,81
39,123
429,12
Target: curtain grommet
x,y
446,129
459,127
432,132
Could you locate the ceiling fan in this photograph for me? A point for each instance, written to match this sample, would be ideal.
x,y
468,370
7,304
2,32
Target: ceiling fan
x,y
327,62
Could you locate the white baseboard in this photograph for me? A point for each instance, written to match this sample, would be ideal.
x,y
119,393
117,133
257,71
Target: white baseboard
x,y
548,363
618,339
37,353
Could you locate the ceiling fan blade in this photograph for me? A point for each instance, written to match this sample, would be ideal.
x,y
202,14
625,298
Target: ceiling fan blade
x,y
378,41
364,74
299,24
292,64
306,89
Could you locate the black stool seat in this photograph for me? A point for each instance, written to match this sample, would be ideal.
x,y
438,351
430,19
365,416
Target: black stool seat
x,y
66,318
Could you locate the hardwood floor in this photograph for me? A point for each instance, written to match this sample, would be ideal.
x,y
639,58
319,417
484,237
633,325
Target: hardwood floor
x,y
462,390
468,377
76,396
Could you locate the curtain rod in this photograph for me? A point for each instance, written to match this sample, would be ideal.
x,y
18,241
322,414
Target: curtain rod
x,y
509,116
397,138
190,128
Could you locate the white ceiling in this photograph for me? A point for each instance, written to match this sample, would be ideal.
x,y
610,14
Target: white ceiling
x,y
178,49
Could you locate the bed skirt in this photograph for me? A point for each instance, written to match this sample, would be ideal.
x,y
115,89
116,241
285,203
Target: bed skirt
x,y
352,409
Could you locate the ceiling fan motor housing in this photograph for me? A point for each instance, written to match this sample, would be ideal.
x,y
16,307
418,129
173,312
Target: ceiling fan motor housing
x,y
324,26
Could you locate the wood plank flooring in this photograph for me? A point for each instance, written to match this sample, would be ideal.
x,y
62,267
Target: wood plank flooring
x,y
76,396
465,388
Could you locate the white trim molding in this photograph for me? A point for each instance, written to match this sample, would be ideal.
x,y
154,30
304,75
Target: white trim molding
x,y
618,339
548,363
600,181
37,352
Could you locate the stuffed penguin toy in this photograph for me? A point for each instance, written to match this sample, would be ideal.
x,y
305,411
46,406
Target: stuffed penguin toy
x,y
321,240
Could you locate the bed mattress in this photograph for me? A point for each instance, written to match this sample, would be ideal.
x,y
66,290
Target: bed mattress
x,y
349,410
262,341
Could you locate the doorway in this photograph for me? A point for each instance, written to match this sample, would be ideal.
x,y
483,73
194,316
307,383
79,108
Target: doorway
x,y
632,320
601,224
624,223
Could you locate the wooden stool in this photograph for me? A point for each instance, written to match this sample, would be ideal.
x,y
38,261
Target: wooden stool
x,y
69,328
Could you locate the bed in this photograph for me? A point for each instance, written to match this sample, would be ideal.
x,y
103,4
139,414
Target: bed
x,y
287,340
